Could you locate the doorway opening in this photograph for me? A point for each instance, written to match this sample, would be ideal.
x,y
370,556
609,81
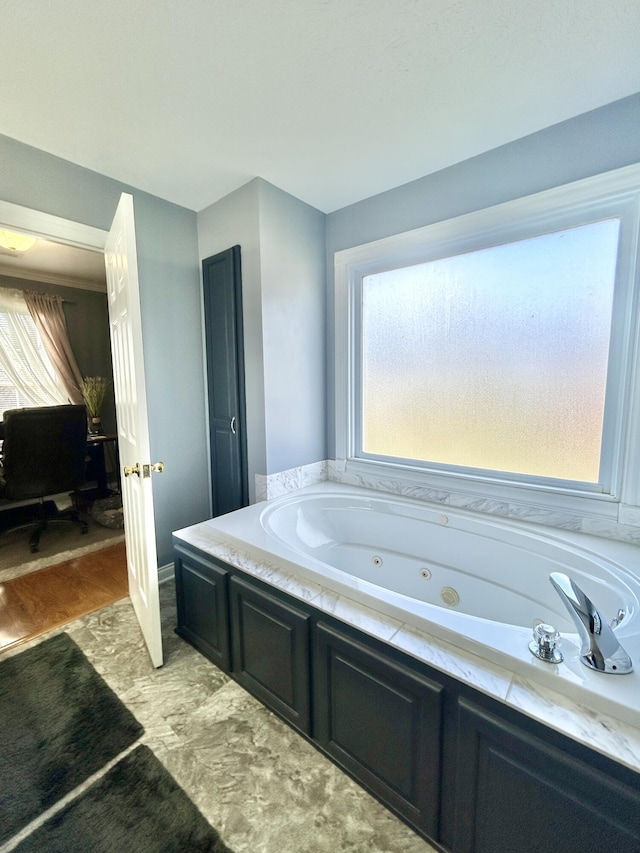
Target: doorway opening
x,y
67,259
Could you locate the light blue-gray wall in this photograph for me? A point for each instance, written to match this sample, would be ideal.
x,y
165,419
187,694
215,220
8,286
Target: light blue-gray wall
x,y
285,249
171,316
595,142
282,243
293,275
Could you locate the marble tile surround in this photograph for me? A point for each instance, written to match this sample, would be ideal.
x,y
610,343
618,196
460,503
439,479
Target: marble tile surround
x,y
609,529
274,485
616,739
261,785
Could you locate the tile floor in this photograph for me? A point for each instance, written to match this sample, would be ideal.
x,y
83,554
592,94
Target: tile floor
x,y
261,785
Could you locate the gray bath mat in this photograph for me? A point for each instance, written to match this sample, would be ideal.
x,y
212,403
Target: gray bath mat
x,y
59,723
137,806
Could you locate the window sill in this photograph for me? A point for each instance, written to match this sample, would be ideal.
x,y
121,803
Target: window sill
x,y
587,512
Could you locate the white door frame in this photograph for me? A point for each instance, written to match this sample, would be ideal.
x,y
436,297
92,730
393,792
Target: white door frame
x,y
48,226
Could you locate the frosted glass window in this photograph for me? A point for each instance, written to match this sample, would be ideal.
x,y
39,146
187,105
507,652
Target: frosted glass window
x,y
494,359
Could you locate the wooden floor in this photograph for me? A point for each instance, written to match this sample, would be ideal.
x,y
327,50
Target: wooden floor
x,y
40,601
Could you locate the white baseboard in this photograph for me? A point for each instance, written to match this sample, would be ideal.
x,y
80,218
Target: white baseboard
x,y
166,573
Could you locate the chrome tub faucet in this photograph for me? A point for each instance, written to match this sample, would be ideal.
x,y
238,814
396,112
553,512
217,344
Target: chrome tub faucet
x,y
600,648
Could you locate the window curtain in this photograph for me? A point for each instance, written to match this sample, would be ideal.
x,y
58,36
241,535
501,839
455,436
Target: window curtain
x,y
21,355
48,316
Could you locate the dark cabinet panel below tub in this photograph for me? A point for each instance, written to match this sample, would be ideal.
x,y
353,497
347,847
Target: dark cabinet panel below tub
x,y
465,771
270,644
518,793
203,612
382,722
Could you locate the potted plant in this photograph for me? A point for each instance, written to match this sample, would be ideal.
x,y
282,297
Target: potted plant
x,y
94,389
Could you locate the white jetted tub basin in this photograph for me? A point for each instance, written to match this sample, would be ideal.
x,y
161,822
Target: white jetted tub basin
x,y
477,581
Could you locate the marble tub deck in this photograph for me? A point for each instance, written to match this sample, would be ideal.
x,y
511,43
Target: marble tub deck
x,y
615,738
258,782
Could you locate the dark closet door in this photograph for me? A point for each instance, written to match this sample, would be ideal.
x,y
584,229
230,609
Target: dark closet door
x,y
222,281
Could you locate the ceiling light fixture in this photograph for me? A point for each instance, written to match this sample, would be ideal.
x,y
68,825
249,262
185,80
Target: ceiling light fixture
x,y
16,242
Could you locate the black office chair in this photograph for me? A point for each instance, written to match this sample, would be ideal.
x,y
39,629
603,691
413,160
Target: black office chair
x,y
43,453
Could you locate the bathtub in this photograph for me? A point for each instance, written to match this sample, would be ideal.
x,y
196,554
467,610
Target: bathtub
x,y
476,581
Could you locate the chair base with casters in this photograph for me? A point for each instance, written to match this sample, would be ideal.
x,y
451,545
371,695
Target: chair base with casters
x,y
43,454
40,520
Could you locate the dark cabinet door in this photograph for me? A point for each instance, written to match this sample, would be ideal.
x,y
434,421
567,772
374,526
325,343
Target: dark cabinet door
x,y
222,290
270,641
464,771
381,722
203,614
517,793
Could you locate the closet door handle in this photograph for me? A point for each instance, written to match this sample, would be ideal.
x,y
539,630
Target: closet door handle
x,y
233,425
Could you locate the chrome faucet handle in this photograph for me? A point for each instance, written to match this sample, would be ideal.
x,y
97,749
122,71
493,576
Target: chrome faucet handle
x,y
600,647
543,645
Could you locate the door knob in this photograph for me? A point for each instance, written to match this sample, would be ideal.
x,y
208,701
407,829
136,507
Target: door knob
x,y
145,471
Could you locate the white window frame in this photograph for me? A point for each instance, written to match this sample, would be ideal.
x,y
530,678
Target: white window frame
x,y
612,194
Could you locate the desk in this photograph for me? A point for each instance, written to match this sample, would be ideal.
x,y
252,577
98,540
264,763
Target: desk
x,y
96,465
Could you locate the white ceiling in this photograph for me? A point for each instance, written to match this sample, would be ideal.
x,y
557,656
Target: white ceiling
x,y
330,100
56,263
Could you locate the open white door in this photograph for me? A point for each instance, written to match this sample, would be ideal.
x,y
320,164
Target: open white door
x,y
133,428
